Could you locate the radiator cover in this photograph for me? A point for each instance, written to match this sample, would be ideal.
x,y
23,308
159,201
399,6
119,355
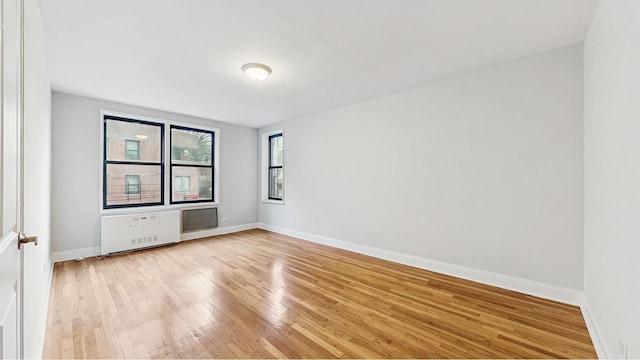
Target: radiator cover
x,y
128,232
199,219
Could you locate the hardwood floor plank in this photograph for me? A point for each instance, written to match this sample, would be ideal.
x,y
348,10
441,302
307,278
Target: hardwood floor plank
x,y
257,294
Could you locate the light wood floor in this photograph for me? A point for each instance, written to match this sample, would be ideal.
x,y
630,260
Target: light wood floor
x,y
257,294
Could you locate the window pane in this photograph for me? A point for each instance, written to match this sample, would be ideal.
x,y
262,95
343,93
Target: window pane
x,y
276,180
127,141
191,147
191,183
275,143
132,184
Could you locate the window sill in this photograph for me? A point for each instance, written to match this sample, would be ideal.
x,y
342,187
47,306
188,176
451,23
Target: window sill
x,y
157,208
270,201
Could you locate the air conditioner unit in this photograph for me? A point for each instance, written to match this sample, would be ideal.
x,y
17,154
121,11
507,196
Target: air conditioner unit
x,y
129,232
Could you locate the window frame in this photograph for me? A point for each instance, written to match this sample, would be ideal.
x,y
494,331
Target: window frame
x,y
166,191
271,166
105,162
211,166
265,162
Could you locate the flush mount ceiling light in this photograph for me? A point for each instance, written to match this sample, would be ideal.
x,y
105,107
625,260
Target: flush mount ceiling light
x,y
255,71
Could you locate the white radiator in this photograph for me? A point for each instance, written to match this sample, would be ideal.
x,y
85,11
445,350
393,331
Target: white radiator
x,y
127,232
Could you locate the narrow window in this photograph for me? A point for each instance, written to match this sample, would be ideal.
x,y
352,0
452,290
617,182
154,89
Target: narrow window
x,y
132,183
132,149
132,169
276,175
192,165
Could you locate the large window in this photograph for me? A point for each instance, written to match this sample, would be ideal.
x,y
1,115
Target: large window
x,y
276,178
144,165
133,163
192,164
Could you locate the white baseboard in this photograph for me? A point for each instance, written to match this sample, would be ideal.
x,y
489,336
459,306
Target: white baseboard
x,y
60,256
594,331
42,319
217,231
547,291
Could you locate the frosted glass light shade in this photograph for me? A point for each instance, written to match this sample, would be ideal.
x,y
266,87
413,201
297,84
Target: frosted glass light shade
x,y
255,71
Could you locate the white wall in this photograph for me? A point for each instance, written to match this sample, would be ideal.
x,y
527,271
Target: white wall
x,y
483,170
612,173
37,180
76,169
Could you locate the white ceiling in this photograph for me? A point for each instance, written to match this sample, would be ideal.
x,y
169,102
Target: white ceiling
x,y
184,56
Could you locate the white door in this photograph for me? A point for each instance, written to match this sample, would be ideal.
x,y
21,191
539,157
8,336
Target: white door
x,y
10,180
